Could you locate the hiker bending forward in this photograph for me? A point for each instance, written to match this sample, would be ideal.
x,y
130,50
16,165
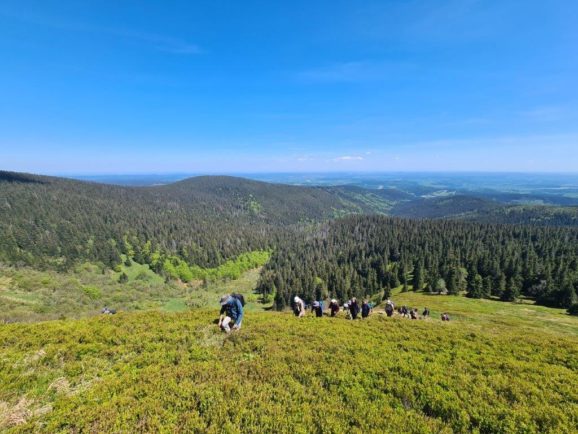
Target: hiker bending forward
x,y
334,307
299,307
231,310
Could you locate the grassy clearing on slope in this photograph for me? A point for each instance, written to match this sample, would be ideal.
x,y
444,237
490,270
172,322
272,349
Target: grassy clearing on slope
x,y
245,285
490,314
138,271
203,296
31,295
160,372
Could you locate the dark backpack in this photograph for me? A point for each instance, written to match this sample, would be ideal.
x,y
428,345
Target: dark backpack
x,y
240,298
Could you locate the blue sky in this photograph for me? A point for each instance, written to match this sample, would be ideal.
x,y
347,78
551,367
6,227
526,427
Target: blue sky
x,y
264,86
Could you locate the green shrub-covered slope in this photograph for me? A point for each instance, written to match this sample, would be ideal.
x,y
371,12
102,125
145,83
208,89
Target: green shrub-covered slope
x,y
175,372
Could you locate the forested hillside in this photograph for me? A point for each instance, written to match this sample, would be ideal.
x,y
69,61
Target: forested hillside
x,y
444,207
538,215
472,208
47,221
366,255
187,230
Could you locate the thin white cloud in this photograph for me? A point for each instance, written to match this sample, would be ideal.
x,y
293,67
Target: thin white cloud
x,y
348,158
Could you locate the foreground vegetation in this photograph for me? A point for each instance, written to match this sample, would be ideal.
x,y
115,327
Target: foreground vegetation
x,y
175,372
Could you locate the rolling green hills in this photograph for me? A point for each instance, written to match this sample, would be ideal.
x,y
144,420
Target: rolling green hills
x,y
203,221
178,232
482,210
57,222
445,207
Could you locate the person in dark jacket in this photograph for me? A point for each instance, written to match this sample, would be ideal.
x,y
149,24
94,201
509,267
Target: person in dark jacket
x,y
334,307
317,309
354,308
231,311
365,309
389,308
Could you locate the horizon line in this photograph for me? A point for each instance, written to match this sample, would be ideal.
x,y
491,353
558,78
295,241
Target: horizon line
x,y
327,172
322,172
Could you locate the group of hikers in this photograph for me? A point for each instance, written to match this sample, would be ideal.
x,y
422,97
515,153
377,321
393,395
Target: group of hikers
x,y
232,306
353,310
351,307
406,312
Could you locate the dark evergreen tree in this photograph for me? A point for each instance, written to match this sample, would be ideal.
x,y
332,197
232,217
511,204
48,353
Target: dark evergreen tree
x,y
418,276
512,291
476,289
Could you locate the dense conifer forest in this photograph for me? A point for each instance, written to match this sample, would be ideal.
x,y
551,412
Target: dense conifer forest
x,y
46,221
471,208
365,255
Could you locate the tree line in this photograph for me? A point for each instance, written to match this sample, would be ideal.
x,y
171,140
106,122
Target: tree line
x,y
365,255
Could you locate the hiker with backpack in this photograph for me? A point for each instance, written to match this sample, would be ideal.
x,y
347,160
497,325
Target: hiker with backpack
x,y
231,311
365,309
354,308
346,309
298,307
317,309
389,308
334,307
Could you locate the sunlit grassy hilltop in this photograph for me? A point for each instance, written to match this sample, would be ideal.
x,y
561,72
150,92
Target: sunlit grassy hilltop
x,y
496,367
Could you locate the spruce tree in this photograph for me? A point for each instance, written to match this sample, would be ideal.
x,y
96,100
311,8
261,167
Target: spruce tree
x,y
418,278
476,290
